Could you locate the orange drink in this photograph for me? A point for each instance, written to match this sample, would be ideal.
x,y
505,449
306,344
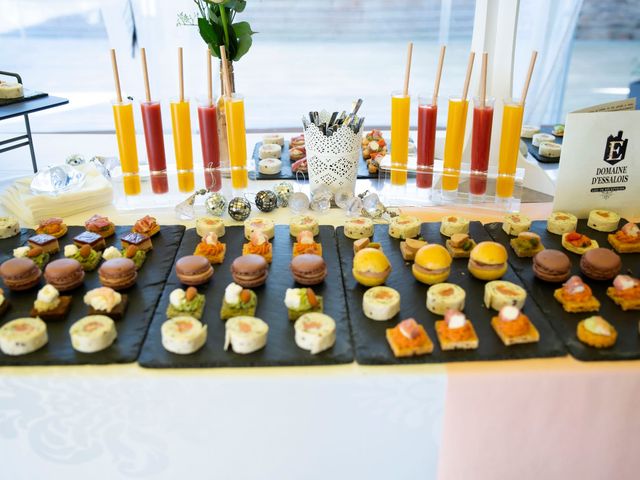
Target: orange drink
x,y
400,106
237,138
127,148
453,143
512,114
181,127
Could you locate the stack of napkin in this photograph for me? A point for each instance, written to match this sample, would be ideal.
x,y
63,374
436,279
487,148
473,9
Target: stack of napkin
x,y
19,200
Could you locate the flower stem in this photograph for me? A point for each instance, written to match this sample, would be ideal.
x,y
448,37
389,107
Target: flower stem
x,y
223,19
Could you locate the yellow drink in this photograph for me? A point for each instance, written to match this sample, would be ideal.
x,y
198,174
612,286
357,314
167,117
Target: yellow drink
x,y
127,148
509,147
400,106
237,138
453,143
181,126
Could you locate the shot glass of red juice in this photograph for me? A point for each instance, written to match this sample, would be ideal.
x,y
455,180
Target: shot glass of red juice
x,y
480,145
427,119
154,140
210,144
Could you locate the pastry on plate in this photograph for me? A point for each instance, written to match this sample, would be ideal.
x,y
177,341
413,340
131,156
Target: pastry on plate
x,y
118,273
600,264
250,271
381,303
308,269
526,244
359,227
445,296
453,224
456,332
245,334
65,274
551,265
300,301
100,225
211,248
408,339
596,332
259,224
94,240
87,256
206,225
297,153
22,336
140,240
270,166
297,141
20,274
626,240
187,302
460,245
183,335
432,264
50,306
299,223
37,254
146,225
514,327
269,150
371,267
93,333
259,245
48,243
562,222
409,248
134,253
306,244
238,302
550,149
315,332
193,270
515,223
578,243
52,226
603,220
9,227
363,243
500,293
106,301
576,296
625,292
404,226
488,261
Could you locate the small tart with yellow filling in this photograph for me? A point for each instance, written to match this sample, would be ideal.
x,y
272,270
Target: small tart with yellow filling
x,y
306,244
576,296
456,332
52,226
625,292
596,332
211,248
259,245
514,327
408,339
626,240
578,243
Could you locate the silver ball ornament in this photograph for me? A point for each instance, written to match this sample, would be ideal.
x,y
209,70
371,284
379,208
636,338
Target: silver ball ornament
x,y
266,201
283,192
215,204
239,209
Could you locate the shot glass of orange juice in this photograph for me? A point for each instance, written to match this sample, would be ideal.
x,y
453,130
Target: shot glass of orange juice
x,y
237,140
400,109
453,143
127,148
182,143
512,114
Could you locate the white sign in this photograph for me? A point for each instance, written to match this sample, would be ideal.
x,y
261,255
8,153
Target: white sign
x,y
600,162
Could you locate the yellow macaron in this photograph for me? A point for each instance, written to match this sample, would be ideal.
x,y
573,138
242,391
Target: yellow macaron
x,y
488,261
432,264
371,267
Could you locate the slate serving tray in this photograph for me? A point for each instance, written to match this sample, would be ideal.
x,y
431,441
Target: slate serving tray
x,y
626,323
132,329
371,346
533,150
28,94
281,348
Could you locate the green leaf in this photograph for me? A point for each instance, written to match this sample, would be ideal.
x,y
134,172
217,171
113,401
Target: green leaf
x,y
215,49
208,32
244,44
243,28
240,5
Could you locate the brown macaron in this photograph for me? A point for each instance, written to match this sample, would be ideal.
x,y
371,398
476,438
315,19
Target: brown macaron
x,y
600,264
118,273
308,269
250,271
551,266
65,274
20,273
194,270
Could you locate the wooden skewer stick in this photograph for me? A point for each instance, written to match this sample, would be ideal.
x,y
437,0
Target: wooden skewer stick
x,y
483,79
180,74
465,89
225,73
436,85
145,74
407,71
532,63
209,78
116,76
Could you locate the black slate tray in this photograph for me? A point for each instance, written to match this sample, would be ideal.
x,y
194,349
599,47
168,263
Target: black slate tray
x,y
369,336
287,174
8,244
627,346
132,329
281,348
28,95
533,150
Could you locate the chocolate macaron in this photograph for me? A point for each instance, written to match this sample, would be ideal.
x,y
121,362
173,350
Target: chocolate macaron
x,y
250,270
600,264
194,270
118,273
20,274
551,266
308,269
65,274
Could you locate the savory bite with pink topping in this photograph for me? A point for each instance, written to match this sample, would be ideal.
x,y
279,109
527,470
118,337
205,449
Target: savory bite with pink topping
x,y
100,225
625,292
409,338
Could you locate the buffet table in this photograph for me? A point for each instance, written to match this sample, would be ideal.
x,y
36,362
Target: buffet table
x,y
543,418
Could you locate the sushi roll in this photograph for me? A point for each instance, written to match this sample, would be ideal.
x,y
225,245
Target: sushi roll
x,y
315,332
9,227
550,149
562,222
500,293
357,228
270,166
206,225
404,226
381,303
259,224
269,150
299,223
245,334
515,223
445,296
538,138
529,131
183,335
273,139
453,224
603,220
22,336
93,333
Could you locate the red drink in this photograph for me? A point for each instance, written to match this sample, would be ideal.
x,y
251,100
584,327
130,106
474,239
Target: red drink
x,y
210,146
480,145
154,139
427,116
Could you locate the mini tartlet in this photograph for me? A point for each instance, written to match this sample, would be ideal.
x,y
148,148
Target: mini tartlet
x,y
237,302
359,227
52,226
259,245
488,261
625,292
409,248
305,243
300,301
371,267
404,226
100,225
576,296
187,302
626,240
526,244
445,296
453,224
87,256
578,243
515,223
146,225
106,301
432,264
211,248
562,222
456,332
596,332
460,245
37,254
603,220
50,306
408,339
381,303
259,224
514,327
